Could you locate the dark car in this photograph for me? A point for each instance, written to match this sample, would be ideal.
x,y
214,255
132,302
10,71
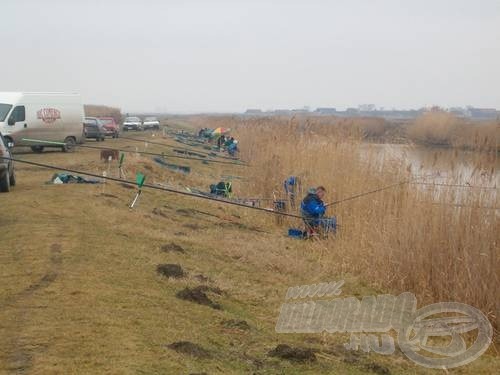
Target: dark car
x,y
7,173
93,128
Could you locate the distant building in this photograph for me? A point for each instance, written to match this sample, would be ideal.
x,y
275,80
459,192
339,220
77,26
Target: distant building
x,y
483,113
367,107
282,112
253,111
459,112
304,109
326,111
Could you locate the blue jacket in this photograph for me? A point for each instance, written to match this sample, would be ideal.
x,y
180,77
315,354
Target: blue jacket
x,y
312,206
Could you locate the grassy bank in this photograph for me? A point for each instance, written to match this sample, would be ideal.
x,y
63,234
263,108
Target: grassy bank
x,y
81,292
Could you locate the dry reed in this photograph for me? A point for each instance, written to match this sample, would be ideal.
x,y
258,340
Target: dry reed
x,y
439,242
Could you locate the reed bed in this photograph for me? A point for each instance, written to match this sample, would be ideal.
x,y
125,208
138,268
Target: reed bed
x,y
439,242
443,129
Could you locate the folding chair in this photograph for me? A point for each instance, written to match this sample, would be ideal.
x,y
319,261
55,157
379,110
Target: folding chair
x,y
320,228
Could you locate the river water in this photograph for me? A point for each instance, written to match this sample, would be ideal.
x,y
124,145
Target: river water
x,y
468,172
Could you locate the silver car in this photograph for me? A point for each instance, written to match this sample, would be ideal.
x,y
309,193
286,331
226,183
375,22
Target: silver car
x,y
132,123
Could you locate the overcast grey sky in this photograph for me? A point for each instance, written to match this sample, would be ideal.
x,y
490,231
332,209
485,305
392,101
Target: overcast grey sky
x,y
229,55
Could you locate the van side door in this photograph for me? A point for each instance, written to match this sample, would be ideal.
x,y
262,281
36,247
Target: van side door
x,y
18,124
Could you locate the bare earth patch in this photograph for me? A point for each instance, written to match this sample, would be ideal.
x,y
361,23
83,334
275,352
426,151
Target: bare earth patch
x,y
189,348
198,295
172,247
296,354
170,270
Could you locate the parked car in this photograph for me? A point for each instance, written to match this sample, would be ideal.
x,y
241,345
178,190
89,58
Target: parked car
x,y
111,128
93,128
7,172
132,123
151,123
52,117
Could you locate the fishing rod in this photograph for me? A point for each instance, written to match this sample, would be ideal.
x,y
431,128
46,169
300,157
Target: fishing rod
x,y
462,205
376,190
164,155
170,146
150,186
137,152
456,185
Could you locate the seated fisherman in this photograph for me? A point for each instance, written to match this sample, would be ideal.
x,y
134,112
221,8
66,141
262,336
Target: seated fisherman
x,y
312,206
313,211
229,141
221,141
233,148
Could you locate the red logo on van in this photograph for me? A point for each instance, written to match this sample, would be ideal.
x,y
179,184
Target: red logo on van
x,y
48,115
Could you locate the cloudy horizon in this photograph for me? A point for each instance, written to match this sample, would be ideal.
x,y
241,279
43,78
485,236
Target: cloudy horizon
x,y
227,56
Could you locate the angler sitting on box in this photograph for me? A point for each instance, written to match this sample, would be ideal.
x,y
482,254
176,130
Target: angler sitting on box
x,y
313,211
233,148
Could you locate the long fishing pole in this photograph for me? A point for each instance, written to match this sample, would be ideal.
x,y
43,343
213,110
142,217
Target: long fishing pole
x,y
166,155
136,152
170,146
408,181
456,185
149,186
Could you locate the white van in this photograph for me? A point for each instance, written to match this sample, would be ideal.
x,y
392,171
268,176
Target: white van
x,y
53,117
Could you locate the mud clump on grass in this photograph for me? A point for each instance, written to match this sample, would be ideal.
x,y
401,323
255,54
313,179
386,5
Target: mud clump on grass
x,y
284,351
377,369
198,295
242,325
189,348
172,247
170,270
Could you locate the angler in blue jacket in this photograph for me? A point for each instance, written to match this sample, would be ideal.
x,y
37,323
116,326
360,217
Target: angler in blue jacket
x,y
312,207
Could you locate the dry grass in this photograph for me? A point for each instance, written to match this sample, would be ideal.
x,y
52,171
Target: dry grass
x,y
443,129
435,128
357,128
438,242
81,293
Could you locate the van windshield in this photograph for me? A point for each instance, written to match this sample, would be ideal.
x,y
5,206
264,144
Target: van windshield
x,y
4,110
